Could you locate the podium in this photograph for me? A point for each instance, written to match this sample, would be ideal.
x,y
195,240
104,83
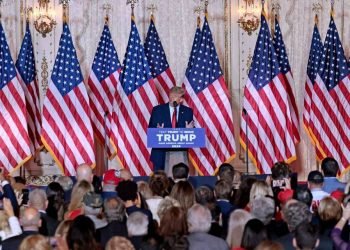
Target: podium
x,y
175,141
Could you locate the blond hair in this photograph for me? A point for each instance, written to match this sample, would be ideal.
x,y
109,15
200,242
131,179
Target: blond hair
x,y
329,209
260,189
79,190
35,242
119,243
238,220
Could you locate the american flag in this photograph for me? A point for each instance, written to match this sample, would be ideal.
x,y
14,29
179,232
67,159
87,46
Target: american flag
x,y
268,112
136,95
312,67
283,62
103,83
66,127
330,102
207,94
14,139
27,77
195,45
158,64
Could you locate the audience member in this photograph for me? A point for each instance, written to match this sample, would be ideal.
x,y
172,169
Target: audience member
x,y
226,172
6,191
269,245
315,183
243,193
35,242
93,209
183,191
173,228
115,213
30,222
223,192
81,234
55,198
330,169
84,172
119,243
9,223
38,200
144,189
254,233
180,172
263,208
111,178
137,225
158,184
294,213
338,242
303,195
75,206
166,204
238,220
61,234
306,237
199,223
260,189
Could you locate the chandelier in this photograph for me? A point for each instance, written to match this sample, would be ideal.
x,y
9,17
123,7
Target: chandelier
x,y
44,21
248,17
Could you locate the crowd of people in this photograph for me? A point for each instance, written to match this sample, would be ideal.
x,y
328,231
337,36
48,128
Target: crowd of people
x,y
240,212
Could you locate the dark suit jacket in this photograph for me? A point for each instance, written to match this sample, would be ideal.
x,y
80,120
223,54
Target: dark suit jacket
x,y
114,228
48,225
204,241
161,114
14,242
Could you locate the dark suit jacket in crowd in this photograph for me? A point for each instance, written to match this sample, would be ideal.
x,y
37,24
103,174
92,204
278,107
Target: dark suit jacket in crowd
x,y
14,242
204,241
114,228
48,225
161,115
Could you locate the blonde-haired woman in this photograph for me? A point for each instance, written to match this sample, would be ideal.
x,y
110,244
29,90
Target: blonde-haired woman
x,y
238,220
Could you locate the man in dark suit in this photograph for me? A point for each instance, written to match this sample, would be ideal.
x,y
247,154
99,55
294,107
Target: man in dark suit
x,y
169,115
30,221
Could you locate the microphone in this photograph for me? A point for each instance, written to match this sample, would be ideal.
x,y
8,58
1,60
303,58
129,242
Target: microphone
x,y
175,104
244,111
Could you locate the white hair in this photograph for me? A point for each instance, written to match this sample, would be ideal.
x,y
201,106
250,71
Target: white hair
x,y
38,199
198,219
263,208
137,224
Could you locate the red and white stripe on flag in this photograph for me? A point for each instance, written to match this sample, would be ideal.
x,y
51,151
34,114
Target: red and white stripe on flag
x,y
269,122
14,139
164,82
129,126
212,111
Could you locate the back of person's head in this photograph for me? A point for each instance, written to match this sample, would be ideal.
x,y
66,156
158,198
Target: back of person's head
x,y
280,170
254,233
223,190
263,208
38,199
226,172
159,184
260,189
55,197
78,193
329,209
315,178
119,243
296,212
66,182
137,224
144,189
306,237
180,171
35,242
304,195
81,233
20,179
30,219
329,167
183,191
173,222
127,190
165,204
93,204
198,219
84,172
114,209
269,245
62,228
204,195
243,193
236,224
97,184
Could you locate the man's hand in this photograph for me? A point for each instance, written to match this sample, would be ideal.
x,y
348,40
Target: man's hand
x,y
189,124
8,207
160,125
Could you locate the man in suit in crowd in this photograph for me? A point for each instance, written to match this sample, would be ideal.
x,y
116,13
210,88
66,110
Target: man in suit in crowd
x,y
169,115
30,221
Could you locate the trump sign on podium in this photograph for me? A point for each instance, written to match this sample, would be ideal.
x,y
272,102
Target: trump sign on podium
x,y
176,138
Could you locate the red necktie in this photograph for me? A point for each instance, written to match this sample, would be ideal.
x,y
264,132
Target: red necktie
x,y
173,119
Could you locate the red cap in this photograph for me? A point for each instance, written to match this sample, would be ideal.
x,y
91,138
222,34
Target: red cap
x,y
111,177
285,195
338,195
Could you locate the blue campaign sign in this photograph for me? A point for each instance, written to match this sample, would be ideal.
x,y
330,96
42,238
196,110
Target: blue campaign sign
x,y
176,138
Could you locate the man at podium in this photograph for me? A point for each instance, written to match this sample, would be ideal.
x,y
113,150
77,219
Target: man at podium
x,y
170,115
